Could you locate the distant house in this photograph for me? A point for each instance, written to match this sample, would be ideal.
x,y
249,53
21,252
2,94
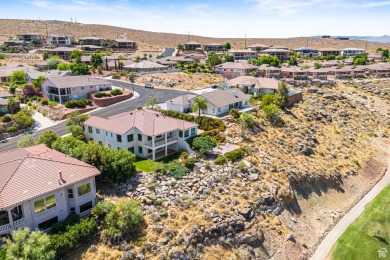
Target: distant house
x,y
221,101
234,69
213,47
90,48
146,133
345,72
268,71
32,37
307,51
62,52
63,89
145,66
33,75
180,104
97,41
377,57
124,44
352,51
15,43
294,72
330,63
192,46
4,109
60,40
282,54
41,186
258,47
7,69
279,47
328,51
378,70
243,54
254,85
42,65
318,73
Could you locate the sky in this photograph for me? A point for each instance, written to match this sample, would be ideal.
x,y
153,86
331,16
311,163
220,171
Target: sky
x,y
228,18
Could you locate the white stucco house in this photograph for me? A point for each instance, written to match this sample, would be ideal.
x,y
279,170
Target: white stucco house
x,y
146,133
180,104
41,186
254,85
221,101
33,75
352,52
63,89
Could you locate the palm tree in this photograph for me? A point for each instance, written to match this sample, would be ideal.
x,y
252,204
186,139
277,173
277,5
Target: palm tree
x,y
180,47
199,104
11,104
151,103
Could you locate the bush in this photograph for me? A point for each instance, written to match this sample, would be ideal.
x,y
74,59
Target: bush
x,y
6,119
76,104
44,101
234,113
234,155
102,208
215,134
116,92
86,101
101,94
176,170
12,129
221,160
12,89
116,76
189,163
62,226
203,144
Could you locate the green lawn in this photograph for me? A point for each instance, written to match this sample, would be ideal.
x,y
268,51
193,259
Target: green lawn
x,y
147,165
369,233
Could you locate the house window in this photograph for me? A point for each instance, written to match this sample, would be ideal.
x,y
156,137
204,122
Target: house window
x,y
192,131
17,213
70,193
219,109
111,134
106,133
139,149
72,211
84,189
187,133
90,129
119,138
181,134
139,137
131,149
44,204
130,138
48,223
97,131
149,151
85,207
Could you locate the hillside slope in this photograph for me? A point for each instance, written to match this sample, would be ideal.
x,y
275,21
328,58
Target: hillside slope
x,y
153,40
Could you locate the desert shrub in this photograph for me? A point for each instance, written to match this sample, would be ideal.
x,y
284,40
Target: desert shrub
x,y
203,144
234,113
33,98
12,90
75,104
6,119
101,94
102,208
176,170
53,103
116,92
12,129
116,76
189,163
44,101
215,134
221,160
242,165
62,226
234,155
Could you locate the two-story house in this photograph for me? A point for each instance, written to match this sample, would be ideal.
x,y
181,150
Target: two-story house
x,y
234,69
41,186
124,44
268,71
63,89
32,37
60,40
294,72
146,133
307,51
97,41
244,54
282,54
352,52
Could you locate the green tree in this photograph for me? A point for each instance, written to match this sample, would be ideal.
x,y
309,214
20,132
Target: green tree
x,y
26,245
282,98
75,118
228,58
247,120
48,138
203,144
93,69
330,57
292,62
150,56
100,69
180,47
79,69
22,119
63,66
227,46
317,65
137,59
53,62
213,59
268,59
37,83
76,131
25,141
12,104
385,54
272,113
96,59
76,54
268,99
45,55
199,104
18,77
360,59
152,103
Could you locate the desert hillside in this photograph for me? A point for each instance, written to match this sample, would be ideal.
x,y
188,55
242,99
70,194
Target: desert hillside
x,y
152,40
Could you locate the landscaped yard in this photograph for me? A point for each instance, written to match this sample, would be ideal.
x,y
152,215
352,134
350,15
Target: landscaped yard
x,y
147,165
369,233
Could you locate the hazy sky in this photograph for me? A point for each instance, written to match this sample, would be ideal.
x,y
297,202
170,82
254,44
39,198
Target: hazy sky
x,y
229,18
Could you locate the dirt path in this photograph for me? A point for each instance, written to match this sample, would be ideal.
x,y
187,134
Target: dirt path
x,y
327,243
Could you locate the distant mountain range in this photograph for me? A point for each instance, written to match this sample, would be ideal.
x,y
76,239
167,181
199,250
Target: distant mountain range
x,y
380,39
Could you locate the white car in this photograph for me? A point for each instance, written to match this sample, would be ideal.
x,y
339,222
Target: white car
x,y
147,85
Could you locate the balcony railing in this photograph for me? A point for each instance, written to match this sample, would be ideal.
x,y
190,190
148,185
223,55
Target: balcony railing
x,y
20,222
162,142
5,228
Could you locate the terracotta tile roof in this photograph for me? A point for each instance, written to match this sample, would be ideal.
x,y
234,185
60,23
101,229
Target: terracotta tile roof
x,y
30,172
145,64
259,83
76,81
221,98
236,65
182,100
147,121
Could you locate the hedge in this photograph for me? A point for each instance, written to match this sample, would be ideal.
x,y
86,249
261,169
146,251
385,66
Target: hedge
x,y
116,92
101,94
82,103
205,123
221,160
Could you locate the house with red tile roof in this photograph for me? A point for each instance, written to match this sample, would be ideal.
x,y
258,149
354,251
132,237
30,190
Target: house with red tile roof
x,y
234,69
253,85
146,133
244,54
40,186
293,72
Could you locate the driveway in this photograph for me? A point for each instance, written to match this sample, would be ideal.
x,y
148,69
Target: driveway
x,y
326,245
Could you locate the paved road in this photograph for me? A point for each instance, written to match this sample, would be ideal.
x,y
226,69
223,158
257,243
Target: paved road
x,y
326,245
145,95
168,52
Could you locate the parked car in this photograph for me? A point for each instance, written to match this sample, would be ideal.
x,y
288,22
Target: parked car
x,y
214,86
147,85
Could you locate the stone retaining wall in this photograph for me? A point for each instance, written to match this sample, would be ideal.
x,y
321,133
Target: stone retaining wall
x,y
107,101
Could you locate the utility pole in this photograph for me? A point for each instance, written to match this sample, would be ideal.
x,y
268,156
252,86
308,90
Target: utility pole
x,y
71,19
307,42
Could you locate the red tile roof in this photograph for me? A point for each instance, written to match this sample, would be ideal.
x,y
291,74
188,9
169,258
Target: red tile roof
x,y
147,121
30,172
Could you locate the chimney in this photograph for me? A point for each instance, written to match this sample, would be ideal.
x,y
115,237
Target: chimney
x,y
60,180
